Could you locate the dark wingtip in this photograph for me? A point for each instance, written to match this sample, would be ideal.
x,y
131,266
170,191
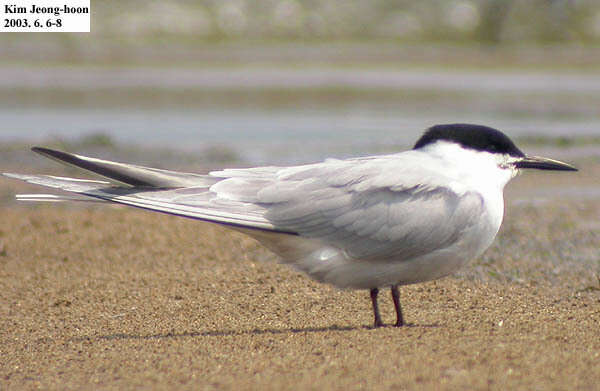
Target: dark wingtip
x,y
103,168
54,154
44,151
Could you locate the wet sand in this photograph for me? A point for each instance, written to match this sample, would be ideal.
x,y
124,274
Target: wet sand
x,y
116,298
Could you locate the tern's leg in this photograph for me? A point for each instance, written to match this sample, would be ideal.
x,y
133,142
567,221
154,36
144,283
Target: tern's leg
x,y
374,293
396,298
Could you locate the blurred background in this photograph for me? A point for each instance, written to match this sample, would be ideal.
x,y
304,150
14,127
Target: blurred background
x,y
198,84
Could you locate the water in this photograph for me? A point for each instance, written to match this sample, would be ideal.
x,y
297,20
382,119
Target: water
x,y
520,103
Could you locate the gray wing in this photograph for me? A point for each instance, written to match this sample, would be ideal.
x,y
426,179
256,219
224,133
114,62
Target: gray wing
x,y
375,218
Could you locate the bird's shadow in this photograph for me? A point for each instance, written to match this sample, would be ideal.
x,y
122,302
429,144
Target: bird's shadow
x,y
225,333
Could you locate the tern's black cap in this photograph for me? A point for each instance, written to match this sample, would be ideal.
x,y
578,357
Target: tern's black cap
x,y
477,137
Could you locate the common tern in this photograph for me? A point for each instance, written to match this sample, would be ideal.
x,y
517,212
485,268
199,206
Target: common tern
x,y
360,223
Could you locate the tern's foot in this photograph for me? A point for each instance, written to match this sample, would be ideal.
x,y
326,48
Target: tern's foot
x,y
377,325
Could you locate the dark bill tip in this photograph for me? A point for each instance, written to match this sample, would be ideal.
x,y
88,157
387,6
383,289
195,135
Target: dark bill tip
x,y
542,163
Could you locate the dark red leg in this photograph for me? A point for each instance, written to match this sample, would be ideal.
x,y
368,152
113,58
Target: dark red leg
x,y
374,293
396,298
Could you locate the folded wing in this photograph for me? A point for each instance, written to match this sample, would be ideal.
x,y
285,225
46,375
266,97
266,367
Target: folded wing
x,y
362,209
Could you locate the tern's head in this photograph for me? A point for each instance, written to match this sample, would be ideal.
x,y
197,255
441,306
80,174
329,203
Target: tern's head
x,y
486,140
